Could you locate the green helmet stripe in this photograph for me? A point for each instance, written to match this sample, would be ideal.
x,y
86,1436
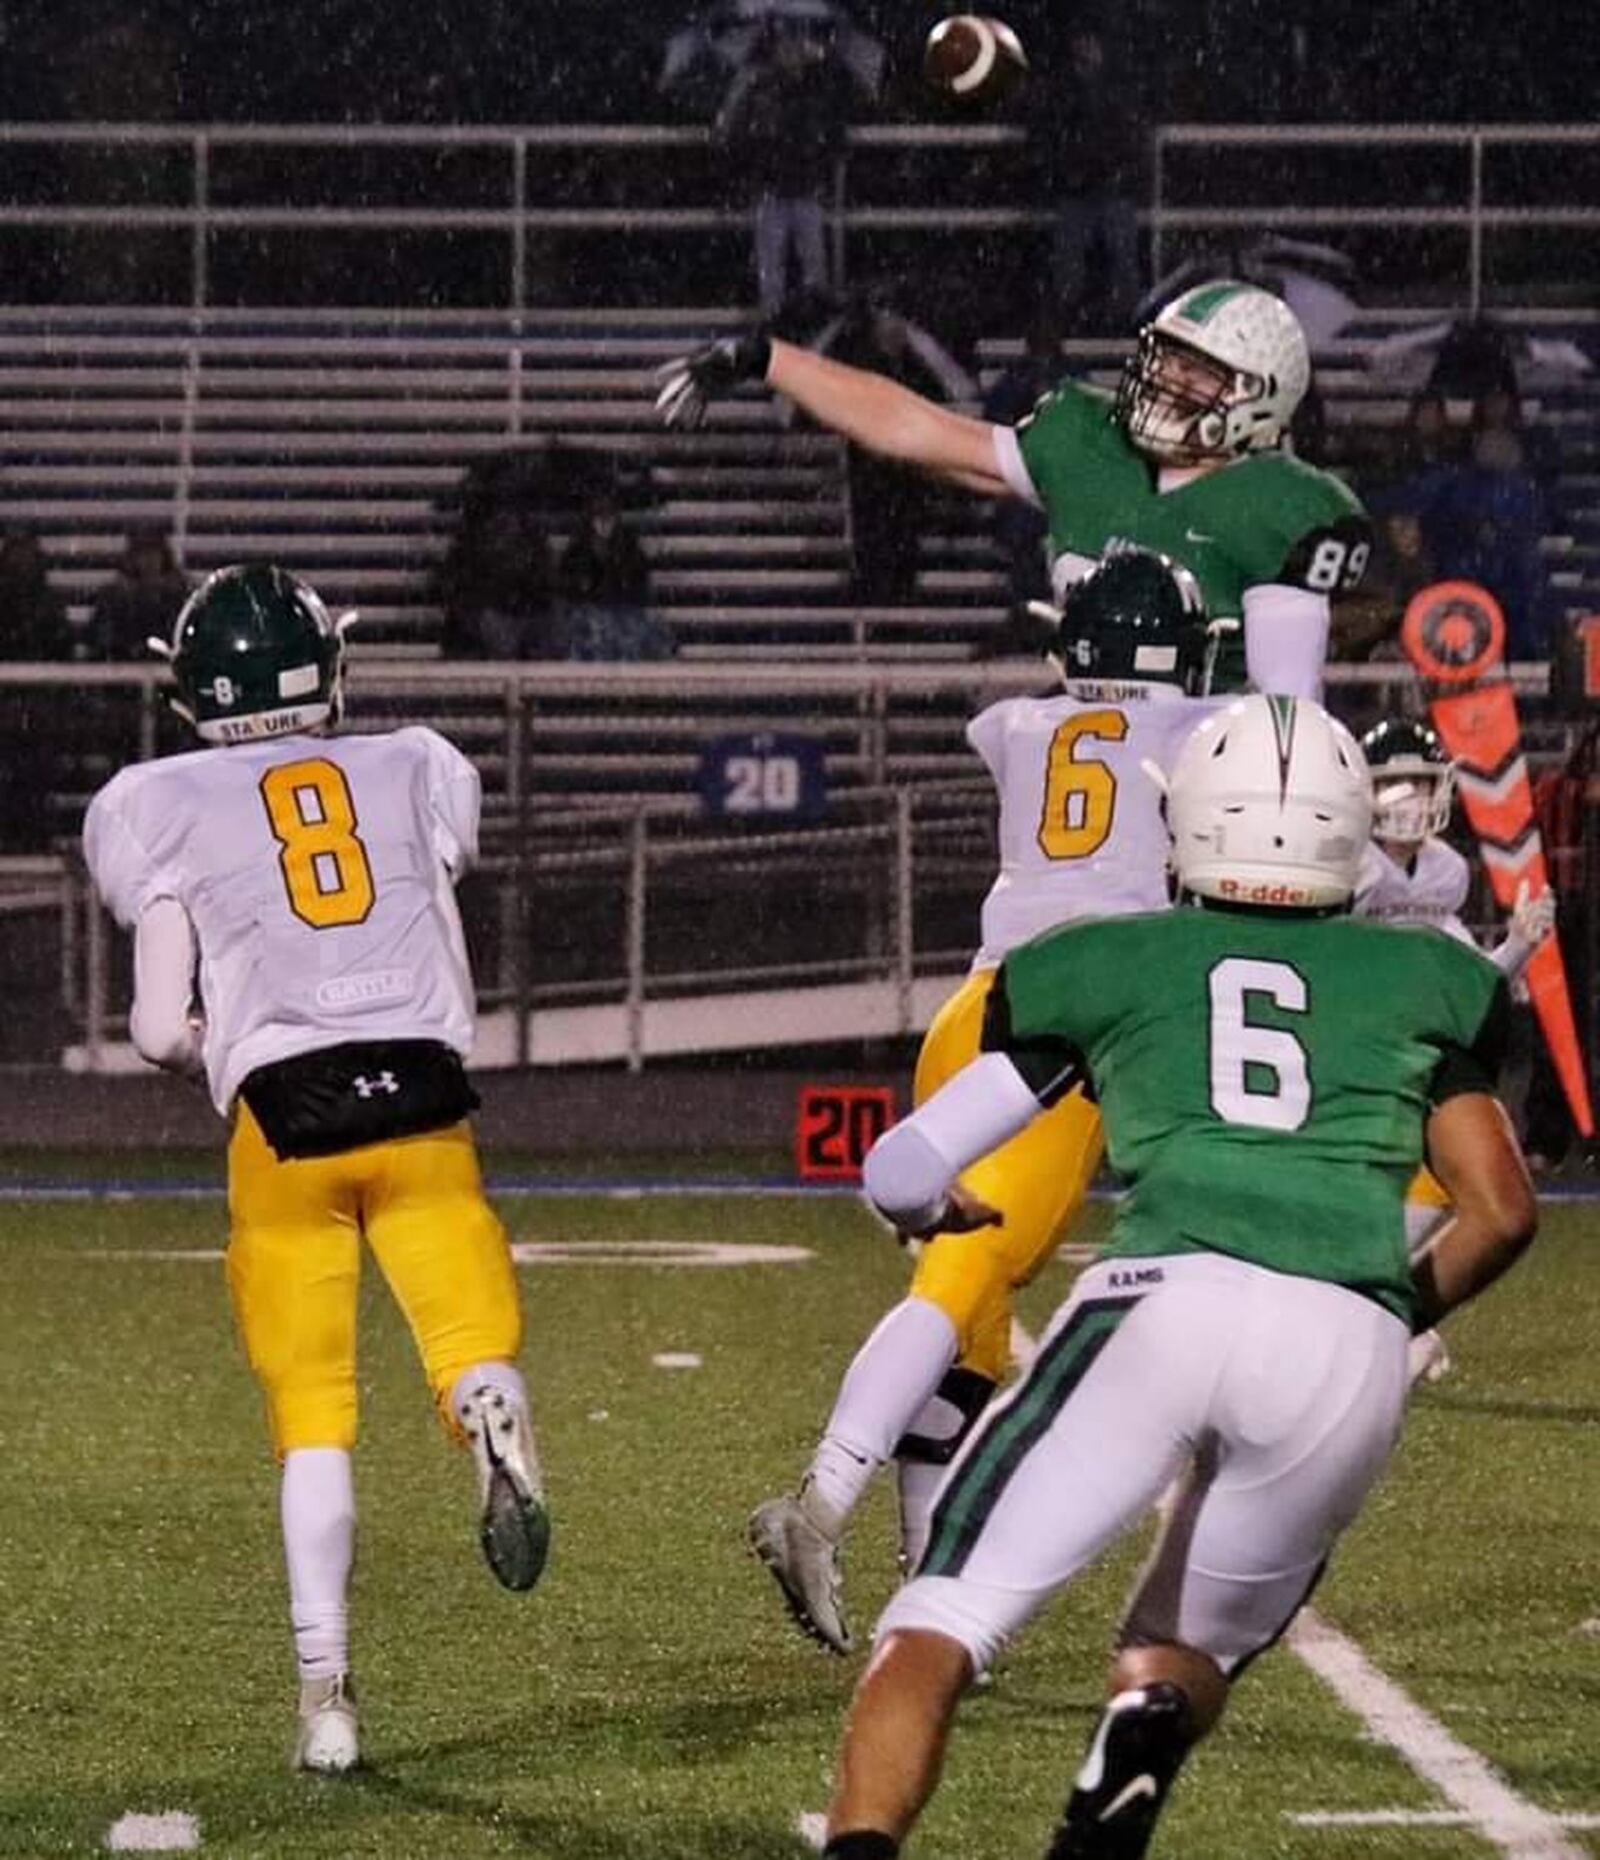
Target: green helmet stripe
x,y
1283,720
1203,303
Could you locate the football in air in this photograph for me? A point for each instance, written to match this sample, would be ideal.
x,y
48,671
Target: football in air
x,y
973,60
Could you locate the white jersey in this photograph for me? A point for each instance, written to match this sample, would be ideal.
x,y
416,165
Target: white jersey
x,y
1433,893
318,874
1081,828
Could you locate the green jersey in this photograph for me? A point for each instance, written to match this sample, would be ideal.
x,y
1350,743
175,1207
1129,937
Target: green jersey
x,y
1264,1079
1266,519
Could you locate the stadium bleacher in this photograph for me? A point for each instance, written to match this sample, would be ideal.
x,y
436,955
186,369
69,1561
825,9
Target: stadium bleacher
x,y
337,441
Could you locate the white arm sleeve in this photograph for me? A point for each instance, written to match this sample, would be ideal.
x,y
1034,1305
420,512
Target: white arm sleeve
x,y
910,1169
1285,639
455,794
163,980
1012,467
1511,956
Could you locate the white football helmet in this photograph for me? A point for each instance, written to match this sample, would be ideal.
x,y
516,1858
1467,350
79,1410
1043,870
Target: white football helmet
x,y
1270,802
1217,373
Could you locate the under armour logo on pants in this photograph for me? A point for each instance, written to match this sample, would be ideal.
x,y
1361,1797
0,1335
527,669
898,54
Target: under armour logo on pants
x,y
365,1087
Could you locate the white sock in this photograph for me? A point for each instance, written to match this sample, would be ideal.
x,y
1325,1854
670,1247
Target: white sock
x,y
919,1480
318,1508
501,1375
893,1374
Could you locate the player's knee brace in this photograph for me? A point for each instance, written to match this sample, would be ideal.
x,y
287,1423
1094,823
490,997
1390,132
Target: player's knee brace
x,y
949,1415
1138,1749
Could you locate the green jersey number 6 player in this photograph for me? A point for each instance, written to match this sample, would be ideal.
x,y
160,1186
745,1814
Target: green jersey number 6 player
x,y
1268,1071
1186,459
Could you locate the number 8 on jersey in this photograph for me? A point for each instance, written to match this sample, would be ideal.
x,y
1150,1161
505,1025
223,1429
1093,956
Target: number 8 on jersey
x,y
323,861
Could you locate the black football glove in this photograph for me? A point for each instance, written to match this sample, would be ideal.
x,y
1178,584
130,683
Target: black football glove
x,y
689,382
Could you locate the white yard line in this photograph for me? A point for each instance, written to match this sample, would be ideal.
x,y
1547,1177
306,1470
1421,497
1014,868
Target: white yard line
x,y
1471,1786
812,1827
1411,1818
171,1832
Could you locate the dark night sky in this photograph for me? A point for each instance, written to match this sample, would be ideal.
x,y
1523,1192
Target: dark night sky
x,y
531,60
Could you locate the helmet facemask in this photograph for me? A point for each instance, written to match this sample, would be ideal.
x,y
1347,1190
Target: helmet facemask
x,y
1217,373
1411,800
1174,400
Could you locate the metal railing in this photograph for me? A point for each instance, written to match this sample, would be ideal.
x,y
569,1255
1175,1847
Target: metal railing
x,y
207,203
1494,155
598,904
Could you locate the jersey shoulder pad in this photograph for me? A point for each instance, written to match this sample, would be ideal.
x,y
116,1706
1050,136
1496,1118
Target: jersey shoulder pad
x,y
119,832
1374,867
1070,408
986,732
1451,873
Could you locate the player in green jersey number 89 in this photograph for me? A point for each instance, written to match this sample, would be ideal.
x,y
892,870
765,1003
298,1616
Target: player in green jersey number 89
x,y
1268,1070
1186,459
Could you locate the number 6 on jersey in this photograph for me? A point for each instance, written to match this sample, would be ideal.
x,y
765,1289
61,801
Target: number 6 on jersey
x,y
323,861
1259,1075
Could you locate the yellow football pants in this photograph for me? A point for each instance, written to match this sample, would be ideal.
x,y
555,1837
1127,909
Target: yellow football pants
x,y
1038,1181
1425,1190
294,1263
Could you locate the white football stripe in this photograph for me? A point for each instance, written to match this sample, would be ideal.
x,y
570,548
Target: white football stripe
x,y
1467,1782
983,64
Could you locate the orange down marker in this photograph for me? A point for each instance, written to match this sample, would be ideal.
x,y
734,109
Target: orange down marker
x,y
1454,634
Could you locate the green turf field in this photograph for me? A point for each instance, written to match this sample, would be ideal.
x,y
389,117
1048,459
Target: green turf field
x,y
650,1698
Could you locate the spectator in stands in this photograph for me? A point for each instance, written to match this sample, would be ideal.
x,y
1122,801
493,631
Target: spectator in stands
x,y
33,626
1475,358
1366,623
1515,444
1088,144
784,123
888,505
1484,518
604,584
33,616
495,588
1020,528
140,601
1427,440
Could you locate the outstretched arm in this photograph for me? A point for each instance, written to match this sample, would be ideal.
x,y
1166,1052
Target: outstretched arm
x,y
870,409
887,418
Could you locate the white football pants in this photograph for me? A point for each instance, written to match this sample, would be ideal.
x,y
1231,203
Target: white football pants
x,y
1282,1396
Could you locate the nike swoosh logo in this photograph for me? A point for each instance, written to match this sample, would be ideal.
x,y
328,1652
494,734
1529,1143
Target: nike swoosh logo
x,y
1140,1786
1196,536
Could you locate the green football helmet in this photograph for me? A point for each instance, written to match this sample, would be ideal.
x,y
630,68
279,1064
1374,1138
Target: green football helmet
x,y
1135,615
254,654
